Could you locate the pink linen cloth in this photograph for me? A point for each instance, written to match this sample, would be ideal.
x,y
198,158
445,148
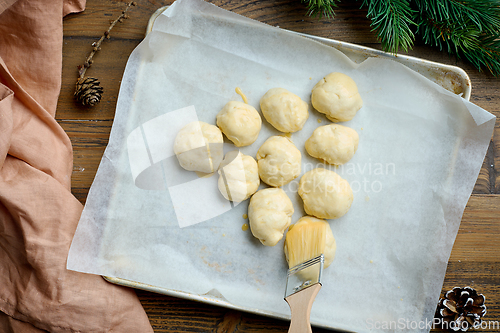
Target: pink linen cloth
x,y
38,213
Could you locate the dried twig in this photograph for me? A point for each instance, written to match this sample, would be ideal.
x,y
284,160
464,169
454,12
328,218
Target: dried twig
x,y
97,45
88,90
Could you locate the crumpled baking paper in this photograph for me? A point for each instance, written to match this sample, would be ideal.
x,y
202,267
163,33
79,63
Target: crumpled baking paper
x,y
148,220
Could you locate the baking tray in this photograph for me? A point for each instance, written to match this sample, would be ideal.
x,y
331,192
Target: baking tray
x,y
449,77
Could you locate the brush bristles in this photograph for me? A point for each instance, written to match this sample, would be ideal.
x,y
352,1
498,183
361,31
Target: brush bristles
x,y
305,240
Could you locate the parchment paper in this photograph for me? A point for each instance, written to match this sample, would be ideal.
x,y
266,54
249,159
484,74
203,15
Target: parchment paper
x,y
148,220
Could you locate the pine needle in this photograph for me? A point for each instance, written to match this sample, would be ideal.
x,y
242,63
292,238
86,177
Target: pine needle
x,y
484,15
392,20
466,29
321,8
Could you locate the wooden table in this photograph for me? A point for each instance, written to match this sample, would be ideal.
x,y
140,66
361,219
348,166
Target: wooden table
x,y
476,255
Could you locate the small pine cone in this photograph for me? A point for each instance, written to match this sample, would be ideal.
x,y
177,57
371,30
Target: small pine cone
x,y
461,309
88,91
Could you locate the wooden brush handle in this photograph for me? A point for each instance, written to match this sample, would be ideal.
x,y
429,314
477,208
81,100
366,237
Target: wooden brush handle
x,y
300,306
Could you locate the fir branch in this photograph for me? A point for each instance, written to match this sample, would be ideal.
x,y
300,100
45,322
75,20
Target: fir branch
x,y
392,21
484,15
488,54
445,36
321,7
469,30
481,50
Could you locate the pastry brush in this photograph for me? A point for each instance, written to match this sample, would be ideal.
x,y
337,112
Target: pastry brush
x,y
304,248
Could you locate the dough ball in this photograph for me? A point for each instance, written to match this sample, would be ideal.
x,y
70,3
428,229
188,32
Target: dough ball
x,y
279,161
269,213
302,226
198,147
326,195
335,144
284,110
238,176
240,123
336,95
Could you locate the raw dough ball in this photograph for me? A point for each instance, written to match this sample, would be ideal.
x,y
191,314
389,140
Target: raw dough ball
x,y
335,144
284,110
269,213
330,244
240,122
279,161
238,176
336,95
325,194
198,147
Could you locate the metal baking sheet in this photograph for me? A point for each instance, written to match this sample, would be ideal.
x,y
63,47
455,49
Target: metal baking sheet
x,y
451,78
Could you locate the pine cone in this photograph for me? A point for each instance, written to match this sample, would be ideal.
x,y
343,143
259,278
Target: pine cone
x,y
88,91
460,309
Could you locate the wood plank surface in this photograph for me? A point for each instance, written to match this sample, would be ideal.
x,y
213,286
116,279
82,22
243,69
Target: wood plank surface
x,y
475,257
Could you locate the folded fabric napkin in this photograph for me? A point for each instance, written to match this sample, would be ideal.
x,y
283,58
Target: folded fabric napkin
x,y
38,213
